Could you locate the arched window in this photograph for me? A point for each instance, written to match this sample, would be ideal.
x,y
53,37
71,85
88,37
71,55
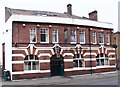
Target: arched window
x,y
31,62
78,60
102,59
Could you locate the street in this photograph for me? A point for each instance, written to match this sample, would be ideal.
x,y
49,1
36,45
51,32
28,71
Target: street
x,y
95,79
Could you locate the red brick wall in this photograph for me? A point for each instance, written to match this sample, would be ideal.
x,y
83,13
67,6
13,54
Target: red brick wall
x,y
17,67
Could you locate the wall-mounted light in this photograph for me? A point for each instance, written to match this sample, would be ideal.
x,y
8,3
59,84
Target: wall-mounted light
x,y
91,28
23,25
78,27
38,25
50,25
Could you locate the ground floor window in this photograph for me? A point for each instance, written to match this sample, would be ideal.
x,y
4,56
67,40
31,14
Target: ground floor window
x,y
78,60
102,59
31,62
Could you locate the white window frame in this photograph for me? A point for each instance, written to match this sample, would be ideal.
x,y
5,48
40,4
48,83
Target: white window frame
x,y
101,36
94,36
73,42
55,31
26,68
47,38
79,58
102,58
31,36
108,38
80,36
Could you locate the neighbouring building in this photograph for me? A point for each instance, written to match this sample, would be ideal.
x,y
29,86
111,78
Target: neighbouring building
x,y
117,42
42,43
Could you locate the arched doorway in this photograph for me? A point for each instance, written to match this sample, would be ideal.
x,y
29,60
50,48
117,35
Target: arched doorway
x,y
57,66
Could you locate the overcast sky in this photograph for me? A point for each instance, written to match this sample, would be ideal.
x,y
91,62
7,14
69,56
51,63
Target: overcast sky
x,y
107,9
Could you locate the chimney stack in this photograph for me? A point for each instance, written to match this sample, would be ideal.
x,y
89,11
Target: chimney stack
x,y
93,15
69,9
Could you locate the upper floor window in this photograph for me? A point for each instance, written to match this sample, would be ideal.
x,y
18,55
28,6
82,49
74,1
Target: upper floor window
x,y
101,37
55,36
32,35
73,36
107,38
44,38
93,37
82,36
31,62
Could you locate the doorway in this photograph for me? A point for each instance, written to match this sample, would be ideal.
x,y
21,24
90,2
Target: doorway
x,y
57,66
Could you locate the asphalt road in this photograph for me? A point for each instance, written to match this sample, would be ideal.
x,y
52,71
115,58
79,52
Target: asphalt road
x,y
96,79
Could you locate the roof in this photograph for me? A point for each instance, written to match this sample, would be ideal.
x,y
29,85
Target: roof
x,y
10,11
53,17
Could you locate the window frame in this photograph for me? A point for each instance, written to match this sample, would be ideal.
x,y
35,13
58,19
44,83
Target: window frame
x,y
31,61
108,38
104,58
100,36
34,34
54,34
71,35
79,58
83,32
94,36
46,34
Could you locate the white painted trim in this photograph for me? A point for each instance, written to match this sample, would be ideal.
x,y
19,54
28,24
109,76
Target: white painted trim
x,y
68,54
68,60
88,59
26,51
61,51
44,54
52,51
31,71
48,19
112,58
31,48
17,62
89,54
36,51
16,55
88,68
111,53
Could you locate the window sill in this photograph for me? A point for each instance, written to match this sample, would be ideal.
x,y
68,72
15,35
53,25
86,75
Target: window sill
x,y
82,42
72,42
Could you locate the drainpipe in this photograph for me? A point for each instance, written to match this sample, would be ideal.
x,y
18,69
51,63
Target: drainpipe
x,y
90,52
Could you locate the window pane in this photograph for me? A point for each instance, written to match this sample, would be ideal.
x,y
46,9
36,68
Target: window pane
x,y
43,38
82,36
32,35
31,65
101,37
80,63
26,66
75,63
73,36
55,35
94,37
108,38
97,62
44,35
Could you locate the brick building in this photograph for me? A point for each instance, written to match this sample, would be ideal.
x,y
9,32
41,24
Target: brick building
x,y
43,43
117,42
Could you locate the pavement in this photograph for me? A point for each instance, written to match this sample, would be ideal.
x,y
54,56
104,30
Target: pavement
x,y
61,79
